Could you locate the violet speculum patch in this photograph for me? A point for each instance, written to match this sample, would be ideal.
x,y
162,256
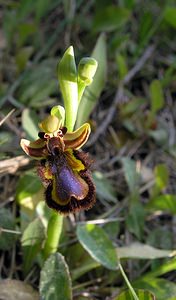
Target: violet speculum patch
x,y
62,167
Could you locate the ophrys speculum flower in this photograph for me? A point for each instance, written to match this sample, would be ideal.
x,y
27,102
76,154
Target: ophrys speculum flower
x,y
62,167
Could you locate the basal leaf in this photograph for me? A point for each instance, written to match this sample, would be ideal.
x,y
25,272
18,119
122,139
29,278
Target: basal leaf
x,y
55,282
98,245
32,240
143,251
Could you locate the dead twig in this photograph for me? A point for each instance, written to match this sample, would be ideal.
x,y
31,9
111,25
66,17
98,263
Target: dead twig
x,y
6,117
9,123
11,165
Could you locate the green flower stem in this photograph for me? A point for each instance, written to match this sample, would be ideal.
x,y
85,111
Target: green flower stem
x,y
53,234
127,282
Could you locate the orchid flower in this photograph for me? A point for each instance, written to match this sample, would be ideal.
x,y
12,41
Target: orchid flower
x,y
62,167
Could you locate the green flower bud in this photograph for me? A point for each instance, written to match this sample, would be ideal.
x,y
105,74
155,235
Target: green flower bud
x,y
86,69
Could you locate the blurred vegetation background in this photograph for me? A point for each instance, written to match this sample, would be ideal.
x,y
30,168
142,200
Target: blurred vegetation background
x,y
132,111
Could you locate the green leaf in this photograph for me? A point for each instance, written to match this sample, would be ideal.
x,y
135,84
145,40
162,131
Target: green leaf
x,y
110,18
25,8
121,65
104,188
136,218
160,237
32,240
131,175
142,295
161,180
133,106
25,30
55,282
129,3
30,123
7,240
43,212
80,262
43,93
87,266
143,251
38,83
28,185
98,245
145,25
28,194
156,95
93,91
112,229
164,202
163,289
169,15
161,176
41,8
23,56
160,136
167,266
9,25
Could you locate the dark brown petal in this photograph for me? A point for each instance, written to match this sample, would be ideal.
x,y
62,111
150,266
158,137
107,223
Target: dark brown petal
x,y
76,139
36,149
